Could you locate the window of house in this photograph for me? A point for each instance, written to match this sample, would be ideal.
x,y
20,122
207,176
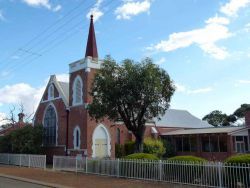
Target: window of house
x,y
223,143
205,144
178,144
51,92
193,143
214,143
118,136
77,91
186,144
77,139
50,121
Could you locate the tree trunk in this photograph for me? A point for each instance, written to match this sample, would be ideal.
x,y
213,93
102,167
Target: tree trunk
x,y
139,143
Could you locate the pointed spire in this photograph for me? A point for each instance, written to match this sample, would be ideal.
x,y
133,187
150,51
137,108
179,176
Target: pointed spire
x,y
91,49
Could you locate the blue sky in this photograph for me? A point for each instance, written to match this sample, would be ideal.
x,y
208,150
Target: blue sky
x,y
203,45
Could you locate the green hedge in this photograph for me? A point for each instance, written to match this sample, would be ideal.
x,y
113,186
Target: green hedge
x,y
154,146
187,158
151,146
239,159
141,156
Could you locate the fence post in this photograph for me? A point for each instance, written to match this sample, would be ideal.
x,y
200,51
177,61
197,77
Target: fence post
x,y
160,169
118,168
29,161
86,163
76,164
220,165
20,160
45,162
53,163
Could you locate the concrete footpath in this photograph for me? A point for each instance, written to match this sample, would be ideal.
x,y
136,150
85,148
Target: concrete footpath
x,y
7,181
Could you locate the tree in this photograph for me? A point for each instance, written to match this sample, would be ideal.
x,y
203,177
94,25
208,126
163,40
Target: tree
x,y
130,91
216,118
240,112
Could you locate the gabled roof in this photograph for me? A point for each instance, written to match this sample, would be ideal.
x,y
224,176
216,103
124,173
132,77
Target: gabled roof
x,y
65,89
180,118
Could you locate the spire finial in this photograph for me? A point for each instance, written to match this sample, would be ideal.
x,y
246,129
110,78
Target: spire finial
x,y
91,49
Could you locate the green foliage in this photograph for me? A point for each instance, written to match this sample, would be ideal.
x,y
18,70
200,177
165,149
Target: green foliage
x,y
5,144
154,146
129,147
170,150
217,118
131,91
240,112
239,159
142,156
119,150
187,158
25,140
150,145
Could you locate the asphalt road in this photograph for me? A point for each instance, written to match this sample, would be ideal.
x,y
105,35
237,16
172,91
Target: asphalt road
x,y
10,183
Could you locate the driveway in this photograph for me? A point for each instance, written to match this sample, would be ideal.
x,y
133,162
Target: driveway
x,y
10,183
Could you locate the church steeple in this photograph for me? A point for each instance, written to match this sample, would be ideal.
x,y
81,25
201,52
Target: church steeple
x,y
91,49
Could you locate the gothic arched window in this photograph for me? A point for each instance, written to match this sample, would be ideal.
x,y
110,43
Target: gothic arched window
x,y
77,91
49,125
77,139
51,92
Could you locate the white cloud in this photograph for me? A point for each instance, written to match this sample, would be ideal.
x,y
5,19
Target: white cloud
x,y
161,61
183,89
201,90
43,3
218,20
21,93
95,11
26,94
247,28
205,38
2,18
2,118
244,81
232,7
132,8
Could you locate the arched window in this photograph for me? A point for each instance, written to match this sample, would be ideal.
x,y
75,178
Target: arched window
x,y
51,92
77,91
77,138
118,136
50,120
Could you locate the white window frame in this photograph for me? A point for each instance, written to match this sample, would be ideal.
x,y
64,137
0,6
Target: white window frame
x,y
77,128
78,78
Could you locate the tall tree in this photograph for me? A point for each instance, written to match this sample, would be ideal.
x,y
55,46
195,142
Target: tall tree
x,y
133,92
216,118
240,112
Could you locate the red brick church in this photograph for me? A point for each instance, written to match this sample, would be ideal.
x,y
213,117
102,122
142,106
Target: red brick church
x,y
69,130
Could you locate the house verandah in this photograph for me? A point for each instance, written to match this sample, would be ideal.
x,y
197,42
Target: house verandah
x,y
214,144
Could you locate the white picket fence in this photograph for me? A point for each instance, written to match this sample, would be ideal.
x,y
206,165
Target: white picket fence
x,y
35,161
209,174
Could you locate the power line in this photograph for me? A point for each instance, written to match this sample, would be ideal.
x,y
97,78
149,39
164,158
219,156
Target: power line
x,y
79,5
51,46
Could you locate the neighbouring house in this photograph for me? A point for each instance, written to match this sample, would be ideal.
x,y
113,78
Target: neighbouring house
x,y
69,130
20,124
212,143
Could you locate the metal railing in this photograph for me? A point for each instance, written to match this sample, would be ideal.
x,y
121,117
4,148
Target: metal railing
x,y
207,174
36,161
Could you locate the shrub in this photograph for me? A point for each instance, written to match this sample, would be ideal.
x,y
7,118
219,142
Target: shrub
x,y
187,158
170,150
141,156
129,147
154,146
119,150
239,159
236,170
